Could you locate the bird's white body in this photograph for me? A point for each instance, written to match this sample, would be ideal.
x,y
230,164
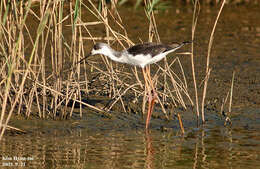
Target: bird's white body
x,y
140,59
136,55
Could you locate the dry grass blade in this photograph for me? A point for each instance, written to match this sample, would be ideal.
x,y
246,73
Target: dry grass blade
x,y
208,59
180,123
12,128
43,22
231,93
196,11
204,95
4,104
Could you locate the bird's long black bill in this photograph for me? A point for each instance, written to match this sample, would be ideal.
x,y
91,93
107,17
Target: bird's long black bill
x,y
184,43
81,60
187,42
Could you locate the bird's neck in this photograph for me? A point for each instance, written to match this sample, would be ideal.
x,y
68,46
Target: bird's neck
x,y
113,55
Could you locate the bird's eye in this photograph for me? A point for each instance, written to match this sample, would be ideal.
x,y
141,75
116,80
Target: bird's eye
x,y
95,47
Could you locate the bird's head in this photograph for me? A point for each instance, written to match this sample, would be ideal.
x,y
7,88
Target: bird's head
x,y
99,48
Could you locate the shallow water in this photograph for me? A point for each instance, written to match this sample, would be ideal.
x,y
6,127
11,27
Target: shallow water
x,y
75,144
121,142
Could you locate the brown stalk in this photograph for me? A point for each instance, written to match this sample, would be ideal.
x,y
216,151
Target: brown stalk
x,y
180,123
231,92
194,24
208,59
44,40
204,95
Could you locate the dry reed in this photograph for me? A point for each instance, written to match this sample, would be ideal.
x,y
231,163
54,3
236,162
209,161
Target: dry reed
x,y
208,61
196,11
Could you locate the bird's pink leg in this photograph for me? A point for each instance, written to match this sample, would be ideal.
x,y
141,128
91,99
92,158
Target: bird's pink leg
x,y
151,99
147,88
152,85
149,114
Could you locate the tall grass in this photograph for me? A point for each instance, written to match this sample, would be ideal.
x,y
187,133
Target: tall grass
x,y
27,85
11,49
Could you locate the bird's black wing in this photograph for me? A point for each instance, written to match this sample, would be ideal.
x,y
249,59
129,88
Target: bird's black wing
x,y
148,48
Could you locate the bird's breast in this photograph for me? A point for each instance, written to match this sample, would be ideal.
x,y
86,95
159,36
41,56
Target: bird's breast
x,y
138,60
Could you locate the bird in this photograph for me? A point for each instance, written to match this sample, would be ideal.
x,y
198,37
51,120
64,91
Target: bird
x,y
140,55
